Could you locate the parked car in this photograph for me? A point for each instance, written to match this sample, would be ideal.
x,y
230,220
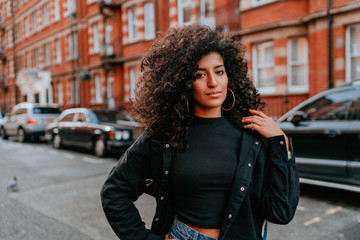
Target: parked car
x,y
28,120
102,131
2,115
325,130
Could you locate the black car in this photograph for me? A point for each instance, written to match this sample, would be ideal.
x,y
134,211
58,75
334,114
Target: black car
x,y
102,131
325,130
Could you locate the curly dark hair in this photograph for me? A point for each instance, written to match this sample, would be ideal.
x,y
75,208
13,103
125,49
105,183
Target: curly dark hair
x,y
164,89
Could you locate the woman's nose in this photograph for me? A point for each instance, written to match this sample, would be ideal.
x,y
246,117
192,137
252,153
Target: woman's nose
x,y
212,81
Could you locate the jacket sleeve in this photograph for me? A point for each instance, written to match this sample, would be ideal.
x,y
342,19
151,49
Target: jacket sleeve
x,y
125,183
281,190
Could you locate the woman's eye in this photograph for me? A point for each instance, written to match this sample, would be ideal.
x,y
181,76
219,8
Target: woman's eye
x,y
199,75
220,72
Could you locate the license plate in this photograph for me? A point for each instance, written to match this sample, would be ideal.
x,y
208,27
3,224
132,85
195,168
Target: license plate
x,y
48,121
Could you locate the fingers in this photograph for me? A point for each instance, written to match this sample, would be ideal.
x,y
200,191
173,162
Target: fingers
x,y
258,113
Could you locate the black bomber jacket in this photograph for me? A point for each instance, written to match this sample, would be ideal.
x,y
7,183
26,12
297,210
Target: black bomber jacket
x,y
265,187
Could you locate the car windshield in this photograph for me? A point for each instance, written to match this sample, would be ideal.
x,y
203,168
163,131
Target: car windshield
x,y
45,110
111,116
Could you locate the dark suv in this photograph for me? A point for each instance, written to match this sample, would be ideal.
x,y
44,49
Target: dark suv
x,y
326,136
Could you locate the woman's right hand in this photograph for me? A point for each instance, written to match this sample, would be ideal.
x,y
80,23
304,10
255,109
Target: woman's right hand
x,y
167,237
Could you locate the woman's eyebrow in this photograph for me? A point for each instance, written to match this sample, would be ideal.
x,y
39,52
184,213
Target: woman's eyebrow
x,y
203,69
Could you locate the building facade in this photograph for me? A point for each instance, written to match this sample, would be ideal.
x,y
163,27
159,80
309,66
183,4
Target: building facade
x,y
298,48
87,52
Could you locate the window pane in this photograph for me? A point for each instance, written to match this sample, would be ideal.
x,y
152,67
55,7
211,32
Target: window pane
x,y
97,88
187,14
266,77
298,47
355,68
149,21
132,24
355,39
298,75
209,8
331,107
265,54
265,65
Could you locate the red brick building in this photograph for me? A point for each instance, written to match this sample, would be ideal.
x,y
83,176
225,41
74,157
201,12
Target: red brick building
x,y
87,52
297,48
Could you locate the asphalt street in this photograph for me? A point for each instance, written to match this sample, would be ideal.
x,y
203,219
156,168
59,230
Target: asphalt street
x,y
58,199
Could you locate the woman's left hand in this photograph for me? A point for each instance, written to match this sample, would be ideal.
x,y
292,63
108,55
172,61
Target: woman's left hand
x,y
265,125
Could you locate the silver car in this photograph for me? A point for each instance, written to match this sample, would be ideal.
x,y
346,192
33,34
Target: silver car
x,y
28,120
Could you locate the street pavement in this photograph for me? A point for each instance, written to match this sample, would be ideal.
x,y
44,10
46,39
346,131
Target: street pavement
x,y
58,199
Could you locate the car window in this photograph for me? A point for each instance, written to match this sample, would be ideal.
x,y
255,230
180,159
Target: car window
x,y
67,118
334,106
81,117
21,111
45,110
112,116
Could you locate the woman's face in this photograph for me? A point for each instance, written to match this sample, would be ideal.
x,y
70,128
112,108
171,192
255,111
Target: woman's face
x,y
210,86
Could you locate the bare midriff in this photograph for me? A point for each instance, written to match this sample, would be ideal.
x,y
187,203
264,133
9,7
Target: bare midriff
x,y
214,233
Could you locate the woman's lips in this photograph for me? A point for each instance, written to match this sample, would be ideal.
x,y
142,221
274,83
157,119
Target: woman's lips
x,y
214,94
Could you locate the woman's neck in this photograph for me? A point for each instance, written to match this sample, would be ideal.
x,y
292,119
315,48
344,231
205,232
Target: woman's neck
x,y
210,113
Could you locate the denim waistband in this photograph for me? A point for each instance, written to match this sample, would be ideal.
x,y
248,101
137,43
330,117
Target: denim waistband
x,y
182,231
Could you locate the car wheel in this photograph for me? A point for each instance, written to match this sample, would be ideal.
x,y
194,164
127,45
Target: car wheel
x,y
22,136
99,147
57,142
3,134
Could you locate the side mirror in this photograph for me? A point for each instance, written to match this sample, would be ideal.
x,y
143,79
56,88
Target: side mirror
x,y
297,117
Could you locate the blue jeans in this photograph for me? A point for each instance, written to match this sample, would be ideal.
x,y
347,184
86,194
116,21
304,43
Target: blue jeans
x,y
181,231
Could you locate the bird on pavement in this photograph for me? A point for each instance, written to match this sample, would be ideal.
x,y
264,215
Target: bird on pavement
x,y
13,187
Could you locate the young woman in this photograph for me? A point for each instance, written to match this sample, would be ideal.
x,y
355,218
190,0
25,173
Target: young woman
x,y
218,167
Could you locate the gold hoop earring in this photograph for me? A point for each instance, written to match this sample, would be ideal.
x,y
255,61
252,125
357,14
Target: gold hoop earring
x,y
233,103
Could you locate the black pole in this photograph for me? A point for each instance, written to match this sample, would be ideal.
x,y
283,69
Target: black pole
x,y
330,50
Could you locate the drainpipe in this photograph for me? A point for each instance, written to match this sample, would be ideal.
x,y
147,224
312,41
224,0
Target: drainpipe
x,y
330,50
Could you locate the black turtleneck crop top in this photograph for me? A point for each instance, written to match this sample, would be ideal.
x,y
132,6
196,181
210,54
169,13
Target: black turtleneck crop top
x,y
202,175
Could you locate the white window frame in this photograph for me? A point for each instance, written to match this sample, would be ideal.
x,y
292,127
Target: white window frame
x,y
56,10
290,64
27,27
108,39
60,94
97,86
58,51
8,8
34,22
45,13
149,18
9,39
349,54
75,91
182,4
47,54
28,60
132,24
71,8
208,21
36,57
256,3
110,91
133,73
73,46
76,45
257,67
96,42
